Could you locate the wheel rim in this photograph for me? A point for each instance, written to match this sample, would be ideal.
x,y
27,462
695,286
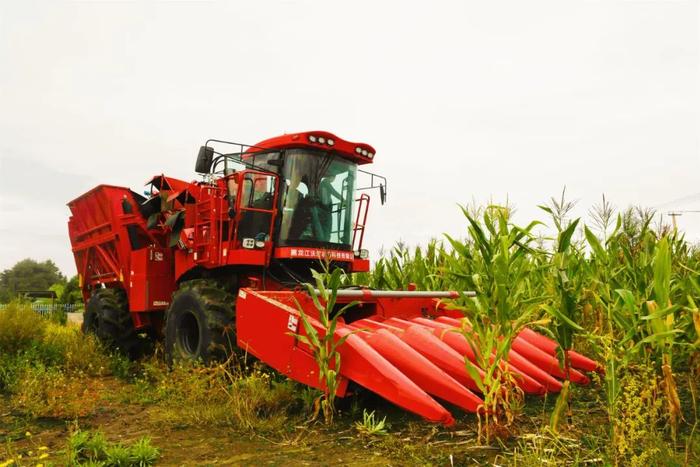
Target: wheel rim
x,y
188,334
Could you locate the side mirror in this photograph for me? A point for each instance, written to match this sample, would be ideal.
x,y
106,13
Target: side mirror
x,y
382,193
204,160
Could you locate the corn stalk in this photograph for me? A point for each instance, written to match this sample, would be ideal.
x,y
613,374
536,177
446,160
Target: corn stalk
x,y
323,344
495,263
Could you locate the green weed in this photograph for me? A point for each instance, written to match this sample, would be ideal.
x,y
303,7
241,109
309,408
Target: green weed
x,y
143,454
92,448
371,426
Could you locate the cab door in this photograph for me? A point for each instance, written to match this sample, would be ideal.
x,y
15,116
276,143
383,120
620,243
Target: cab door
x,y
256,208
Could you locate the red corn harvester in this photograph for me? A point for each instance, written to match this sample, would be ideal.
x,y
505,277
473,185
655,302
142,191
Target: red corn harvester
x,y
210,264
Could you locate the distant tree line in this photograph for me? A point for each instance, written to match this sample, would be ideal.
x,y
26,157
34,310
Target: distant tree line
x,y
29,274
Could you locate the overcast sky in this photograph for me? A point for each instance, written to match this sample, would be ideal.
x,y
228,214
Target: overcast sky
x,y
462,100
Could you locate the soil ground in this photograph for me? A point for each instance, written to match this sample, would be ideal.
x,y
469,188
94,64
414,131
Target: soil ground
x,y
123,422
410,440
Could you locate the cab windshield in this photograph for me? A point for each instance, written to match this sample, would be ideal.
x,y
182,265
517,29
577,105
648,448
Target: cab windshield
x,y
318,199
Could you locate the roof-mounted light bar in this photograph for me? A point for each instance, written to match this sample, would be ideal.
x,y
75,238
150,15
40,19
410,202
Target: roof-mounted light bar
x,y
364,152
321,140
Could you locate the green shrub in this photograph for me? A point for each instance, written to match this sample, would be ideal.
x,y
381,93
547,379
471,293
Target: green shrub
x,y
11,366
20,328
58,316
70,349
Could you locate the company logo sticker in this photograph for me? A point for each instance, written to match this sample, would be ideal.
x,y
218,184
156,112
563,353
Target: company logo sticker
x,y
293,323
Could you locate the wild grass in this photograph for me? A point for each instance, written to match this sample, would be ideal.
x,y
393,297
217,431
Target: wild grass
x,y
25,335
92,448
50,370
224,395
546,447
43,365
54,393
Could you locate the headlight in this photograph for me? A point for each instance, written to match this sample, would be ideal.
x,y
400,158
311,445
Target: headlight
x,y
362,254
312,138
358,150
364,152
322,140
330,142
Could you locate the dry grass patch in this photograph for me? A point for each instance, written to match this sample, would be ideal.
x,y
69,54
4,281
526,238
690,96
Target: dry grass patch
x,y
191,395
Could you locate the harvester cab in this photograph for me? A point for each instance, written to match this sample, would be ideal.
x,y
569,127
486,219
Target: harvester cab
x,y
218,263
296,194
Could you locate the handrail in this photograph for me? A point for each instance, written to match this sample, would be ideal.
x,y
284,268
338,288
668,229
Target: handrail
x,y
363,200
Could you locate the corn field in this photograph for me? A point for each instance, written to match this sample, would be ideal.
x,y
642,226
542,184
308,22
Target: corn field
x,y
618,287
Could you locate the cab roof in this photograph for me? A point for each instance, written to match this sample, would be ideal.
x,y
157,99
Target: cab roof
x,y
361,153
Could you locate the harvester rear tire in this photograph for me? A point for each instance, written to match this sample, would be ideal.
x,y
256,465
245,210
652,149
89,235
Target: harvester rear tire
x,y
107,316
200,323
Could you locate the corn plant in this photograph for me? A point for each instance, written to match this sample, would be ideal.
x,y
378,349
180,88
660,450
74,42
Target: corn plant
x,y
640,318
323,343
661,319
495,264
566,268
421,267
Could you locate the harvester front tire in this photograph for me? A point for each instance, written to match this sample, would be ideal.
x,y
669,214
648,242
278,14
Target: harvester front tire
x,y
107,316
200,324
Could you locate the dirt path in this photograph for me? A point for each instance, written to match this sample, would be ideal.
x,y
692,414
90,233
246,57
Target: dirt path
x,y
187,446
198,446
